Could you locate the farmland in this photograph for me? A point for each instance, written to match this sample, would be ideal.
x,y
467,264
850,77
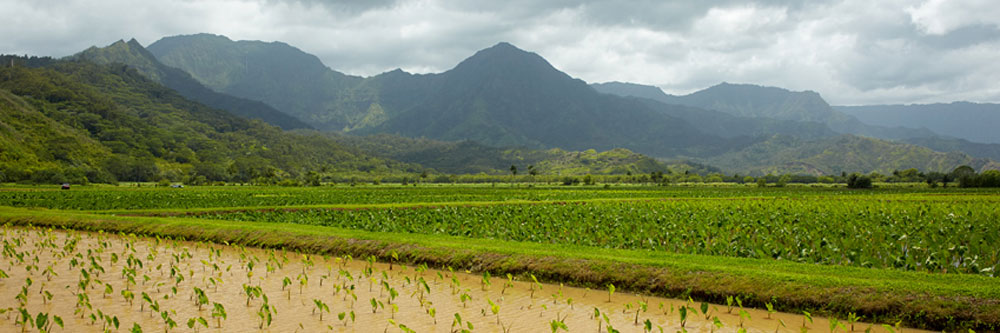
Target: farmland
x,y
124,282
916,256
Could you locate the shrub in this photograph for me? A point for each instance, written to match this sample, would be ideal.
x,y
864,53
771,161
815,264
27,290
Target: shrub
x,y
859,181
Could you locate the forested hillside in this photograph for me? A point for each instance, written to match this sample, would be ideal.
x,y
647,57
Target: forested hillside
x,y
131,53
469,157
847,153
70,120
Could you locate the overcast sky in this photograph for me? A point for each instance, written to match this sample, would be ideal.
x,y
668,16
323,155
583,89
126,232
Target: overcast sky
x,y
850,51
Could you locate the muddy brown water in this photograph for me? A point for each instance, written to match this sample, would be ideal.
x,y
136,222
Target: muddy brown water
x,y
521,306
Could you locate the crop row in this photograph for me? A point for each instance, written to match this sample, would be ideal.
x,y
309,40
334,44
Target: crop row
x,y
109,198
957,236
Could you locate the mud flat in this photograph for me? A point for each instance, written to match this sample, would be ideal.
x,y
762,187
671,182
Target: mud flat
x,y
96,281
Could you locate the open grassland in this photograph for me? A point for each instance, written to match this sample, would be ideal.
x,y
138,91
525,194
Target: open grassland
x,y
923,257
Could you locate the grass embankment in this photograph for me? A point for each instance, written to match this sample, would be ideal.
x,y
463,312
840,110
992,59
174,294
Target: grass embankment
x,y
933,301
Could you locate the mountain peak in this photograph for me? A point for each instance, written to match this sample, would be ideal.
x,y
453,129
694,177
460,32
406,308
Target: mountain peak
x,y
502,58
504,45
134,43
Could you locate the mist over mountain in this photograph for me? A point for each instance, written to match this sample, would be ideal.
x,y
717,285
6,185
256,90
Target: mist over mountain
x,y
754,101
976,122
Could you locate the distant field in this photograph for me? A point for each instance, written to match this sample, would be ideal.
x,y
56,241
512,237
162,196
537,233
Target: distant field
x,y
927,257
150,197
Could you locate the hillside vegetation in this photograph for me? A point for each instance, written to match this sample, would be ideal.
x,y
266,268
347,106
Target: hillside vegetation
x,y
78,121
502,100
469,157
134,55
847,153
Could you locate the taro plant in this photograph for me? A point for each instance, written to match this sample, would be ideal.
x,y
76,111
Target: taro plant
x,y
835,324
851,319
640,307
320,306
509,283
495,309
485,282
682,311
200,298
265,313
744,316
556,325
219,313
193,323
534,284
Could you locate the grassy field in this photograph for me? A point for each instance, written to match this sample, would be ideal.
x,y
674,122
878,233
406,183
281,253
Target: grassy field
x,y
926,257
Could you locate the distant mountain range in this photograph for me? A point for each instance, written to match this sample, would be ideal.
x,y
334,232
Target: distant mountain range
x,y
976,122
501,105
75,120
755,101
503,96
924,125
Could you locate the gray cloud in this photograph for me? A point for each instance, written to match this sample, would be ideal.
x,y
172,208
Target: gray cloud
x,y
851,51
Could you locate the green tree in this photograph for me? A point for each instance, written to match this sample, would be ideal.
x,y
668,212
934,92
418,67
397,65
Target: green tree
x,y
859,181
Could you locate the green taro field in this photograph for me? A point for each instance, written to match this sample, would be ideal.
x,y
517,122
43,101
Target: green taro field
x,y
910,256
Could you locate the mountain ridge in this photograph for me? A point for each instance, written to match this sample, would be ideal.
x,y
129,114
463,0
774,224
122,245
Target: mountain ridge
x,y
133,54
964,120
503,96
135,129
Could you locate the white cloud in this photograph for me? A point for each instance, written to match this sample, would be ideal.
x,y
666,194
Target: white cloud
x,y
851,51
939,17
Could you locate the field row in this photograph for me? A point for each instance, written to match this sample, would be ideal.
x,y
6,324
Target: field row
x,y
946,237
129,198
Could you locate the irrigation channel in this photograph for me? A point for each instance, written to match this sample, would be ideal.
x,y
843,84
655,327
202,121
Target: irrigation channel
x,y
96,281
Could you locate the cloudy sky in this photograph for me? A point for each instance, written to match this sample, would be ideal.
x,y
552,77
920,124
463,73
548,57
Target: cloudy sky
x,y
850,51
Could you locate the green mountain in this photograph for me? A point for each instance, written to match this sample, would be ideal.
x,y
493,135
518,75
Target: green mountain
x,y
729,126
131,53
501,96
846,153
983,150
33,146
976,122
504,96
469,157
109,122
760,102
275,73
